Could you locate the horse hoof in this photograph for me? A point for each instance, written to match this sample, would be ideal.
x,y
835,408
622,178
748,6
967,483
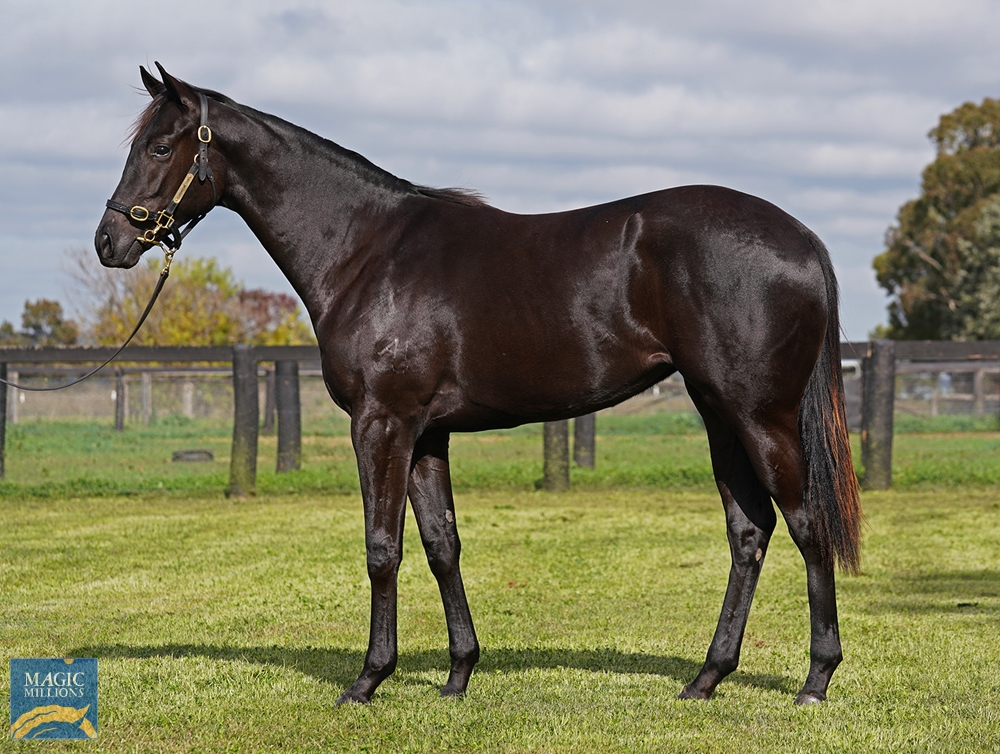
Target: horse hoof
x,y
804,699
689,693
348,698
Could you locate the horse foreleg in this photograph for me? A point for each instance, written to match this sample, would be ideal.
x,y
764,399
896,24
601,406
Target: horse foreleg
x,y
750,520
434,508
384,448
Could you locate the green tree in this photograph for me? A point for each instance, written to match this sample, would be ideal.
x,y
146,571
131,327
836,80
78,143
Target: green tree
x,y
42,324
202,303
941,259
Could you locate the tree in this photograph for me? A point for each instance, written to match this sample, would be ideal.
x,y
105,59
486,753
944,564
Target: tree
x,y
202,303
273,318
42,324
942,258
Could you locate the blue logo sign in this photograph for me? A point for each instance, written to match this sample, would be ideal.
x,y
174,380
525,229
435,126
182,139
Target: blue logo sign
x,y
53,698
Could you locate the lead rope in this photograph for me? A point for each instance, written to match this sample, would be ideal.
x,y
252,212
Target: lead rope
x,y
149,307
164,221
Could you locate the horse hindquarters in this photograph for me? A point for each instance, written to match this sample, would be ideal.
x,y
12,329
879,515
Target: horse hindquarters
x,y
800,457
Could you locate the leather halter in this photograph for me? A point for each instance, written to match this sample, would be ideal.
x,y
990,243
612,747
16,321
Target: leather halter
x,y
163,220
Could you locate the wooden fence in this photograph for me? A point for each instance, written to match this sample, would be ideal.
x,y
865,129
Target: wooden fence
x,y
879,362
246,410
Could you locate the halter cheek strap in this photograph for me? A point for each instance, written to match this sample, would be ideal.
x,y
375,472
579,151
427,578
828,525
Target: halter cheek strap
x,y
163,220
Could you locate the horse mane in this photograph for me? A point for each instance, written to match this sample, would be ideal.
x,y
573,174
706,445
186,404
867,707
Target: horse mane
x,y
462,196
465,197
142,119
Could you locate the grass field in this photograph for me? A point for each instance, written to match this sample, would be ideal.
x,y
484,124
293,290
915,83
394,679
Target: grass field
x,y
48,458
234,626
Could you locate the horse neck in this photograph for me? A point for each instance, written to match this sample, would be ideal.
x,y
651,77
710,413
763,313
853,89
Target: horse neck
x,y
307,200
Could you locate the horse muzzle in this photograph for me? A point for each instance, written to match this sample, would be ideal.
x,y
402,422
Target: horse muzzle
x,y
117,246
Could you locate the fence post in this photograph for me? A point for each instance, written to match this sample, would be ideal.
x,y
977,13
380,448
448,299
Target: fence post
x,y
147,398
878,388
4,390
269,399
286,398
121,400
555,466
584,430
246,415
979,392
187,399
14,398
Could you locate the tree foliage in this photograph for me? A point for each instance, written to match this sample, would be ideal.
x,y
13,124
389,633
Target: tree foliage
x,y
942,258
42,324
201,304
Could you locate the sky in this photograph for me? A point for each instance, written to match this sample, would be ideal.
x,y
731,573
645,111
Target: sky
x,y
821,107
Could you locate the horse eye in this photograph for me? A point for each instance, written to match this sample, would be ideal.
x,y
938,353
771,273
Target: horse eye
x,y
161,150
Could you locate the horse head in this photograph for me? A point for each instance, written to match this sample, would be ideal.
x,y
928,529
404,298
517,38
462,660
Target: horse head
x,y
167,181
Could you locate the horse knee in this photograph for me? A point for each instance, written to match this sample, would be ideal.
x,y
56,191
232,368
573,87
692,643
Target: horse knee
x,y
442,556
383,561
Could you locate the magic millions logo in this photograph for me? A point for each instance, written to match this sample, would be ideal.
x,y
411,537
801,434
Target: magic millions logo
x,y
53,698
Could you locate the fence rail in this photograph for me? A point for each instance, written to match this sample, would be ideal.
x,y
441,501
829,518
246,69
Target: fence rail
x,y
138,354
879,362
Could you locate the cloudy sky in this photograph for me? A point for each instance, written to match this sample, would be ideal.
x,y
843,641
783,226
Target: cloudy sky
x,y
820,106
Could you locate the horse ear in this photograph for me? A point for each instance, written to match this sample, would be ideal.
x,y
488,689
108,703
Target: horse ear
x,y
154,87
177,90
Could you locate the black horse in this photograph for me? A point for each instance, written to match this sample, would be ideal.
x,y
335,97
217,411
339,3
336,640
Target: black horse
x,y
437,313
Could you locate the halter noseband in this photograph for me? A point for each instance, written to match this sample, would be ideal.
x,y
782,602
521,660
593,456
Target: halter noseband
x,y
164,219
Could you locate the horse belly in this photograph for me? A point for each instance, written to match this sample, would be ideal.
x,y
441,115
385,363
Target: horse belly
x,y
545,378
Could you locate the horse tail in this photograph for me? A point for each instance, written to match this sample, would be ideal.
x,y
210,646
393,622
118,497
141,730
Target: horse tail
x,y
831,496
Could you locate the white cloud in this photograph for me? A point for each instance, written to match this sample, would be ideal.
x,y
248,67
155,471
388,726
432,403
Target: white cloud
x,y
822,107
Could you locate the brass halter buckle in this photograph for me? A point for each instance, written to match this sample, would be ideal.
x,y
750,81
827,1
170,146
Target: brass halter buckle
x,y
163,222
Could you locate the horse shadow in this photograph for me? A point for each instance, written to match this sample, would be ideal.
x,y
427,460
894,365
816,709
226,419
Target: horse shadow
x,y
339,667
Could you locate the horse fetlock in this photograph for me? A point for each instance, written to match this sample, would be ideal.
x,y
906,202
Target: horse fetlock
x,y
463,661
377,670
464,658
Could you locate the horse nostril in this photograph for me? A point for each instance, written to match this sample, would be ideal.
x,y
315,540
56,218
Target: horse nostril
x,y
105,248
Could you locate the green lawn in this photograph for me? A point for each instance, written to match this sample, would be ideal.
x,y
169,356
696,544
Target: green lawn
x,y
47,458
234,626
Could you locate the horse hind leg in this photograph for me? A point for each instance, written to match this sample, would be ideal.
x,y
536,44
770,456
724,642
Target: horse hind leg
x,y
776,451
434,508
750,520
